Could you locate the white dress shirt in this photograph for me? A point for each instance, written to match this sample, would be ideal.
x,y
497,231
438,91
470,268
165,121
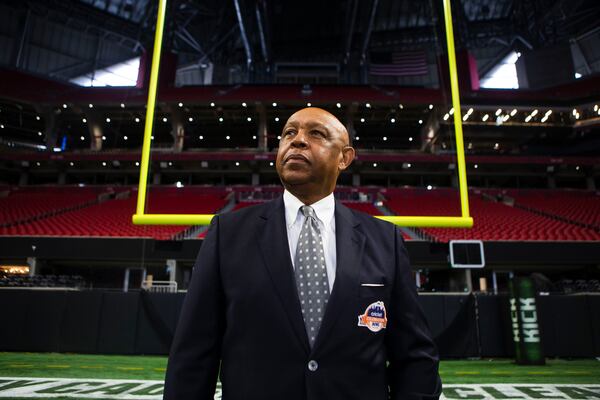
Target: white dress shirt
x,y
294,219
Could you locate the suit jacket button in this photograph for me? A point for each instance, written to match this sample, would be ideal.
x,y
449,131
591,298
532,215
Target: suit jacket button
x,y
313,366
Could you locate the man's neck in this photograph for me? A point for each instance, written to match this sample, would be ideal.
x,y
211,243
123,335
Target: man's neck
x,y
307,198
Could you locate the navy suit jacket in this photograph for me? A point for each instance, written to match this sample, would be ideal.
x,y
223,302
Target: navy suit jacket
x,y
241,317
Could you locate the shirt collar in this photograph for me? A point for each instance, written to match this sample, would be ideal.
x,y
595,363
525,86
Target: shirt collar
x,y
324,208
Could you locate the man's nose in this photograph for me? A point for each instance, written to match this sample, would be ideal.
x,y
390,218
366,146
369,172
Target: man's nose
x,y
300,140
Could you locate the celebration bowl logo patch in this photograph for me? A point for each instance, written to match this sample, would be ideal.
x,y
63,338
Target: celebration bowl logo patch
x,y
374,318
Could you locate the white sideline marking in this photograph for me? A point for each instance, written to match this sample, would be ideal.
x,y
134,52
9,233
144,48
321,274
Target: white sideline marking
x,y
130,389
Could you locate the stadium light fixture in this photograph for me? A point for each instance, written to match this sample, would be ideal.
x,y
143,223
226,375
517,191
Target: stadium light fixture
x,y
122,105
357,138
338,105
103,137
108,120
528,118
212,104
254,137
84,120
40,133
137,163
278,137
393,120
475,166
72,164
37,117
125,138
104,163
271,164
308,104
165,119
431,106
137,119
375,164
274,104
152,137
451,112
498,112
429,187
82,138
237,164
64,106
368,105
534,112
201,137
420,122
249,119
446,116
141,218
466,117
385,138
400,106
191,119
513,112
220,119
276,119
178,184
362,120
180,105
485,117
410,139
90,105
227,137
244,104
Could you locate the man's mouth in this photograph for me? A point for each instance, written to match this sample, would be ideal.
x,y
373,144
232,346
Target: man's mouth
x,y
297,157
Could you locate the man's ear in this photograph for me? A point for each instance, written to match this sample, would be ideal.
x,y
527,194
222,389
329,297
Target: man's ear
x,y
348,154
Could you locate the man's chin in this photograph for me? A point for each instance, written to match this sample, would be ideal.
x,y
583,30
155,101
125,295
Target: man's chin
x,y
295,178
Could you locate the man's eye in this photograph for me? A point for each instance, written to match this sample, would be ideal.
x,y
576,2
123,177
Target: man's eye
x,y
288,133
318,133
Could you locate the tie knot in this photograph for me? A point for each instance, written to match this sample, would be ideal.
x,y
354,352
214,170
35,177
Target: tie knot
x,y
308,211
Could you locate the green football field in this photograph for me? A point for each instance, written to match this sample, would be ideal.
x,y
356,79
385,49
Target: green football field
x,y
99,376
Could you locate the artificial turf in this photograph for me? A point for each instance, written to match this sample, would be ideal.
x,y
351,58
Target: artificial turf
x,y
55,365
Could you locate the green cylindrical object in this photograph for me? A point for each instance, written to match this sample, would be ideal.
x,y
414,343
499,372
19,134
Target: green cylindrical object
x,y
525,326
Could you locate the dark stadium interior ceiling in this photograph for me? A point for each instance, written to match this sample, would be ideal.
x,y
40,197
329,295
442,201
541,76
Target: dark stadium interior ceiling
x,y
262,34
266,42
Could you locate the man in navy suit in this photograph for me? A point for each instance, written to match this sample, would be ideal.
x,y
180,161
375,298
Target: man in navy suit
x,y
246,317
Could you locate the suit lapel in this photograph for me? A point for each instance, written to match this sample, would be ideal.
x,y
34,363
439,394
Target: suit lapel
x,y
349,250
276,254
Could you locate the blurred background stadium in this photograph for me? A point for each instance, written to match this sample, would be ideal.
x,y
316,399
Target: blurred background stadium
x,y
76,276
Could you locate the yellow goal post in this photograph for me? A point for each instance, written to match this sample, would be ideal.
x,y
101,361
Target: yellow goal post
x,y
462,221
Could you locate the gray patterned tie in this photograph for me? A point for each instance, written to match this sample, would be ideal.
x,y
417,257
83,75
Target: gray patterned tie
x,y
311,274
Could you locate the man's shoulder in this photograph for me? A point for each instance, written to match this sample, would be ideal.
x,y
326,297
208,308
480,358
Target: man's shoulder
x,y
248,212
369,222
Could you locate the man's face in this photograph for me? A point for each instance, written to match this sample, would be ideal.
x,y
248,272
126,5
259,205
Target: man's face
x,y
313,151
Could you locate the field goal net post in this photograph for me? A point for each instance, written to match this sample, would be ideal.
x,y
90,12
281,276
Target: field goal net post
x,y
462,221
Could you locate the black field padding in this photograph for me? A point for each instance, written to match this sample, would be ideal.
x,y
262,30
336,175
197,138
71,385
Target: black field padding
x,y
156,322
80,322
566,324
495,335
135,323
14,305
594,307
45,310
459,337
118,323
